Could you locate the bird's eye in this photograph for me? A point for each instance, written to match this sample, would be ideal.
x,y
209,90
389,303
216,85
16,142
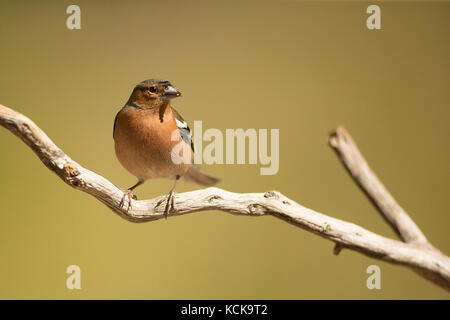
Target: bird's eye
x,y
153,89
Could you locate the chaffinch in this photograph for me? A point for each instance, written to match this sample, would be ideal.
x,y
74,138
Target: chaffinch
x,y
148,133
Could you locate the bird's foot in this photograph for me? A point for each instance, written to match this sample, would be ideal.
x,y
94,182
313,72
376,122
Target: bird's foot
x,y
170,204
127,194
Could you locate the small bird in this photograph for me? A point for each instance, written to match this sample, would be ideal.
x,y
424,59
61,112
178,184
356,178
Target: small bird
x,y
152,140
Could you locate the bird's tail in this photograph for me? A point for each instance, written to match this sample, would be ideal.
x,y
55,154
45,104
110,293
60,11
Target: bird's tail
x,y
198,175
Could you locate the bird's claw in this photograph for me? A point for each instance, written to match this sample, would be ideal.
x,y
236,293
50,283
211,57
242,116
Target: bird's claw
x,y
170,203
127,194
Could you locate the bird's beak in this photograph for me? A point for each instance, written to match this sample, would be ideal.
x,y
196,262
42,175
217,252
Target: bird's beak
x,y
171,93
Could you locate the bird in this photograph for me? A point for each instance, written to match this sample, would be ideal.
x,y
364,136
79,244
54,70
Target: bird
x,y
152,140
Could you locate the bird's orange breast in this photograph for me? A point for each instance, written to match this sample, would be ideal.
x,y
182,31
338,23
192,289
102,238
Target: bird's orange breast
x,y
144,144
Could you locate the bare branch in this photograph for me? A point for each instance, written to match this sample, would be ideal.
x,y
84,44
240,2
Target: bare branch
x,y
403,225
432,265
341,141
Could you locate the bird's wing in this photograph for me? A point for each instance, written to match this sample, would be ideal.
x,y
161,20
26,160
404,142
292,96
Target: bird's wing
x,y
183,128
115,121
194,173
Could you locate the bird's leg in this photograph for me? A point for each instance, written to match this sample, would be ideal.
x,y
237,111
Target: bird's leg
x,y
170,204
129,194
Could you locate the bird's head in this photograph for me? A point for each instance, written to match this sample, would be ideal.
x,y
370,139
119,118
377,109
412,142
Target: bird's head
x,y
153,93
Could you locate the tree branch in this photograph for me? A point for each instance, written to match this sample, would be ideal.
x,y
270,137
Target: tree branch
x,y
403,225
352,159
431,264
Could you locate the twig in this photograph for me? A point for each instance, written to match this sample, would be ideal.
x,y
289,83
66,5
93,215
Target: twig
x,y
432,264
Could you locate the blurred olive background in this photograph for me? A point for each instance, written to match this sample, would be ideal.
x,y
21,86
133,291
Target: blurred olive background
x,y
302,67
